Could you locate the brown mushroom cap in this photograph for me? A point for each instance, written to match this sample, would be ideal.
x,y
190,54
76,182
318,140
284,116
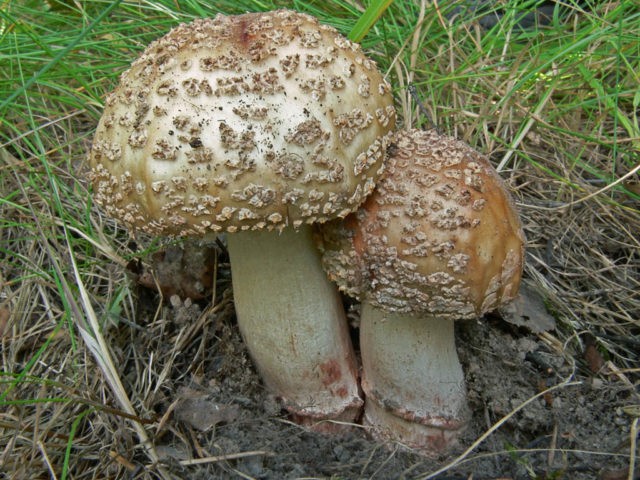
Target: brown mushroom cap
x,y
244,122
439,235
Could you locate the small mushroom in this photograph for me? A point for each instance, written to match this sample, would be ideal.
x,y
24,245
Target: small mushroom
x,y
439,240
257,125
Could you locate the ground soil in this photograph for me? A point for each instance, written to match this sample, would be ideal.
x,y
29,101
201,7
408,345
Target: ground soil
x,y
216,406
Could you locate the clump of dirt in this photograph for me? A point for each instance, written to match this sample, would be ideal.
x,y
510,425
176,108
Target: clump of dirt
x,y
215,408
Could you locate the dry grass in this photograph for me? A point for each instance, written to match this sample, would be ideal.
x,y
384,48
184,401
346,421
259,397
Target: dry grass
x,y
86,364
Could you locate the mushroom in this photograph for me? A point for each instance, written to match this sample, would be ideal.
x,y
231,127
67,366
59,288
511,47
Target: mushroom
x,y
439,240
257,125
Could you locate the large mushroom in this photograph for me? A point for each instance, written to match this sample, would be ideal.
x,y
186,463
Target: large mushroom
x,y
438,240
257,125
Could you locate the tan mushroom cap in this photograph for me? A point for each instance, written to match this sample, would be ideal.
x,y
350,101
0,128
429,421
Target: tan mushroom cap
x,y
439,235
244,122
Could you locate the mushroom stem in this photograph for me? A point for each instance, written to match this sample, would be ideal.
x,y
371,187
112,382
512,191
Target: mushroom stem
x,y
292,320
412,379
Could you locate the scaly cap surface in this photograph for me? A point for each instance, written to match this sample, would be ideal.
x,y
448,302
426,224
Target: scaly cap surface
x,y
439,235
244,122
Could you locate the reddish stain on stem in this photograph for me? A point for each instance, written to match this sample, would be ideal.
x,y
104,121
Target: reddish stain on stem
x,y
332,375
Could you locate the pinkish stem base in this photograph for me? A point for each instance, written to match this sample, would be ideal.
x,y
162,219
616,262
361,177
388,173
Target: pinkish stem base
x,y
412,380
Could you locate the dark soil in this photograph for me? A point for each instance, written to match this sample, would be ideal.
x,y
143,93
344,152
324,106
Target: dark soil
x,y
216,406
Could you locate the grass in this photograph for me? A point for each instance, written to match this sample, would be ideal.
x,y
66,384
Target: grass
x,y
556,108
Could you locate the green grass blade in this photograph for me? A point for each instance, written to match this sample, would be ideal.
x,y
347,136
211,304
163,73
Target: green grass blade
x,y
59,56
370,16
72,434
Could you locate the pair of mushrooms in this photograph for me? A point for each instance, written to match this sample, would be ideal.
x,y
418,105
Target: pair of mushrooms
x,y
260,125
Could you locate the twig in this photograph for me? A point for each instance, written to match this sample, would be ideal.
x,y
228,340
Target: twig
x,y
220,458
602,190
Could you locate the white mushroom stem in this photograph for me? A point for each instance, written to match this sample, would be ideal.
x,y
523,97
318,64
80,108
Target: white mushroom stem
x,y
412,379
293,323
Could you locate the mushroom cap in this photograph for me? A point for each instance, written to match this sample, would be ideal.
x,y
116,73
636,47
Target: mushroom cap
x,y
439,235
243,122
